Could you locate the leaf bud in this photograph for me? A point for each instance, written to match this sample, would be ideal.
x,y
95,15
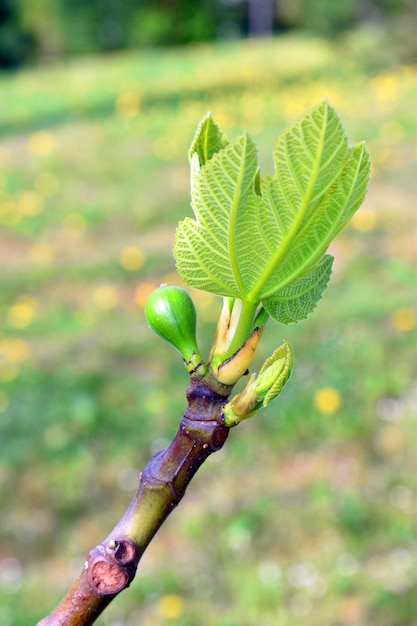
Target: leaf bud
x,y
230,370
260,390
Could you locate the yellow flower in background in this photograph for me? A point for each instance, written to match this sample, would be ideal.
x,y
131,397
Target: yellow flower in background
x,y
132,258
404,319
170,606
327,400
13,350
294,107
41,143
30,203
128,104
42,253
4,401
74,224
9,215
364,220
386,87
143,292
222,118
105,297
21,314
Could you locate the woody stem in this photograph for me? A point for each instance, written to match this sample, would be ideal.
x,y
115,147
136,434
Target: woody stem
x,y
111,565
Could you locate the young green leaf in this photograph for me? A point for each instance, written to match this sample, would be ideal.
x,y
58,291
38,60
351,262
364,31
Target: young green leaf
x,y
303,206
305,245
208,140
204,248
297,300
264,242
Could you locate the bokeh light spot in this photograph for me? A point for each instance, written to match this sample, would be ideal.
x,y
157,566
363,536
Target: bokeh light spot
x,y
170,606
128,104
42,253
41,143
74,224
402,497
270,573
9,215
14,350
142,293
404,319
364,219
132,258
386,87
21,314
105,297
30,203
327,400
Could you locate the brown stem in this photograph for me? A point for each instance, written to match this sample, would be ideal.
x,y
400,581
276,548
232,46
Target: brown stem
x,y
111,565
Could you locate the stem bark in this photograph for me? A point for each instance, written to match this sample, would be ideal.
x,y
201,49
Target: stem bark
x,y
111,565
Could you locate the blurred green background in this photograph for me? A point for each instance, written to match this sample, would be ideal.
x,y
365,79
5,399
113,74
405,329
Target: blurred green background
x,y
307,516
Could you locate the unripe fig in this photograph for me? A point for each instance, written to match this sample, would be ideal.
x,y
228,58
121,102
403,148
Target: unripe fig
x,y
170,313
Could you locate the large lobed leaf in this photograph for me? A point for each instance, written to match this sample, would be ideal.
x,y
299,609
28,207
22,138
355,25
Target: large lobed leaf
x,y
220,189
298,299
265,241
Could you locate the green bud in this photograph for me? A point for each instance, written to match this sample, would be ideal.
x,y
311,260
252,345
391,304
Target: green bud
x,y
274,374
171,314
263,388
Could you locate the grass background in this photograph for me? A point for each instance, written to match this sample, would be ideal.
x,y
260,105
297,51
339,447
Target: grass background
x,y
307,516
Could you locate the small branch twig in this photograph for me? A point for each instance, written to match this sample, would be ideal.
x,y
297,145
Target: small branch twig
x,y
111,565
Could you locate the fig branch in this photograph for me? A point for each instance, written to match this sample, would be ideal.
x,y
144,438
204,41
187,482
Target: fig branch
x,y
111,565
261,244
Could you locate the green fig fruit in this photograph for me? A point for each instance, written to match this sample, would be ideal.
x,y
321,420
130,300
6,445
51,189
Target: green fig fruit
x,y
171,314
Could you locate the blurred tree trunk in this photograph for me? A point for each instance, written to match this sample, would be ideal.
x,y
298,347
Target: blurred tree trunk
x,y
260,17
